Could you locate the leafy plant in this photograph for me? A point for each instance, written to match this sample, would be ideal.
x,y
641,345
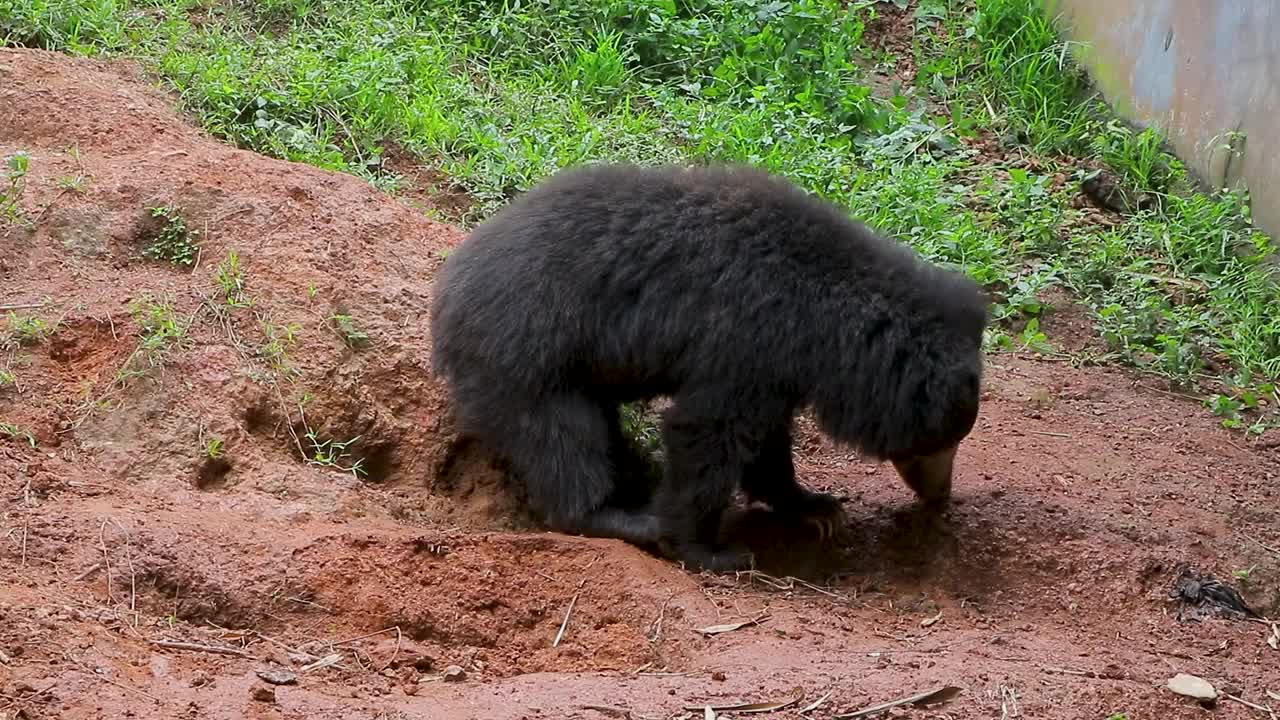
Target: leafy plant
x,y
174,242
280,339
14,183
28,329
346,329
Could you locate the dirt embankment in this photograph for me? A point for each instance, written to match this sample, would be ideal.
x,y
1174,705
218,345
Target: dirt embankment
x,y
186,481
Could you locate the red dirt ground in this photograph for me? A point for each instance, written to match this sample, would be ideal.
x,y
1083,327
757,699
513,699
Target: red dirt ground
x,y
1081,494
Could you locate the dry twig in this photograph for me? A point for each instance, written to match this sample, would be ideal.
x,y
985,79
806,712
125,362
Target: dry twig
x,y
568,612
1246,703
197,647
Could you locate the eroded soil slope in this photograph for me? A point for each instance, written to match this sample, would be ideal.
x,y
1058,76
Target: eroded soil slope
x,y
182,515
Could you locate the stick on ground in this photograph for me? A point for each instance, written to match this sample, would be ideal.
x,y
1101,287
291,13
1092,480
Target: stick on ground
x,y
197,647
567,613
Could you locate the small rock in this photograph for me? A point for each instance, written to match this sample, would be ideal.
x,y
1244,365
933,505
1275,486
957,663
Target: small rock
x,y
200,678
453,673
263,693
1193,687
80,231
277,677
718,676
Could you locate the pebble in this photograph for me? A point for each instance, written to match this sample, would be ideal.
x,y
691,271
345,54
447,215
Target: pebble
x,y
263,693
1193,687
277,677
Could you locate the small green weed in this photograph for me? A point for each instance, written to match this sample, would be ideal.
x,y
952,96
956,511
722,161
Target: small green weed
x,y
14,183
231,279
159,331
79,182
76,184
27,329
14,432
174,242
8,378
346,329
212,448
334,454
280,339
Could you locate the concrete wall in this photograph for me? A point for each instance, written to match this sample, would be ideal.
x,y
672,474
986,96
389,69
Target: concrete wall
x,y
1205,72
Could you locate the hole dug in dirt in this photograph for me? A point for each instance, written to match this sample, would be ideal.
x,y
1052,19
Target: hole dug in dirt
x,y
479,487
212,473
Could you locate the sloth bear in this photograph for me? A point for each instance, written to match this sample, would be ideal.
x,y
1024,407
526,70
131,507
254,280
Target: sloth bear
x,y
730,291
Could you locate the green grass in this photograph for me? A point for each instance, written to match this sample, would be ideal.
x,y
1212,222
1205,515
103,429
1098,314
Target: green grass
x,y
499,95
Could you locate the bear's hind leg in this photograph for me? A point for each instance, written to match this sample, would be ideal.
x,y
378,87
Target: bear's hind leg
x,y
708,442
560,448
771,479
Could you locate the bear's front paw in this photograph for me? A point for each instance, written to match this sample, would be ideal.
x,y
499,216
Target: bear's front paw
x,y
825,513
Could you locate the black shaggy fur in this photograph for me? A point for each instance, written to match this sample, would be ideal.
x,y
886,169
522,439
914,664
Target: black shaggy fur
x,y
733,292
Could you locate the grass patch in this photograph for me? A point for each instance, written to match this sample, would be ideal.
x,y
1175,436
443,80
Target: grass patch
x,y
496,96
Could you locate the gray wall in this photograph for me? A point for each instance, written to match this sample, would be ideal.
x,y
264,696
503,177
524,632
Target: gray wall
x,y
1200,71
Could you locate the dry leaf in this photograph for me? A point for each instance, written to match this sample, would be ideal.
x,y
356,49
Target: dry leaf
x,y
708,713
730,627
754,707
929,622
1273,695
937,695
1274,640
814,705
1192,687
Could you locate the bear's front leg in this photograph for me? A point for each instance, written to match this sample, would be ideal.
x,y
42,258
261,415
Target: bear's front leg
x,y
771,478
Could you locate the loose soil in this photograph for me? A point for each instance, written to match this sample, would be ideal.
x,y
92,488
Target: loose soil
x,y
1082,495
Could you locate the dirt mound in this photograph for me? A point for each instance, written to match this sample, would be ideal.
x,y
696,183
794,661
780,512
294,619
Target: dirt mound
x,y
222,454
